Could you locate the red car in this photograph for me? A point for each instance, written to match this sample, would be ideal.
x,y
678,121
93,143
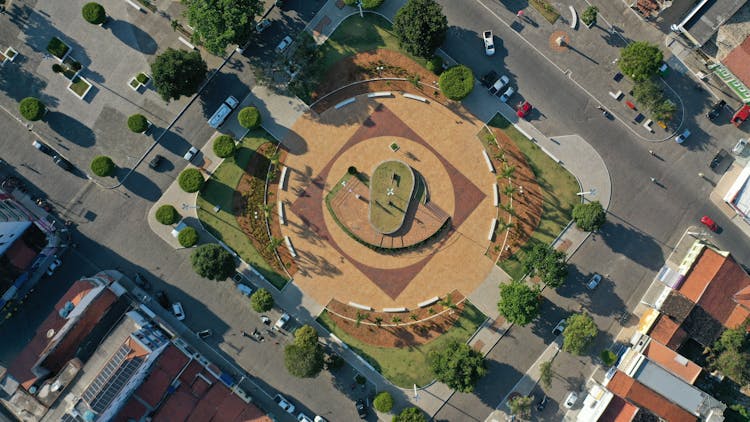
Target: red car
x,y
708,222
523,109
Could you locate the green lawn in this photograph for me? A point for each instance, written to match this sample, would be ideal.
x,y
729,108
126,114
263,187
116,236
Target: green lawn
x,y
219,190
79,86
559,190
391,187
408,366
546,10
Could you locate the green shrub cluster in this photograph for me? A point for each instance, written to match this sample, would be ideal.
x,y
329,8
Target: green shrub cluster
x,y
261,300
57,47
167,214
457,82
94,13
249,117
589,15
224,146
191,180
435,65
188,237
31,109
138,123
102,166
383,402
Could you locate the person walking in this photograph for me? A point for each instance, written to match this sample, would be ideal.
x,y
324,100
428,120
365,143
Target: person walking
x,y
653,180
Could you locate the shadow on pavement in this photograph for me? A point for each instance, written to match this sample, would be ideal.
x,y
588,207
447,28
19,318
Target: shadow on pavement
x,y
142,186
633,243
70,129
132,36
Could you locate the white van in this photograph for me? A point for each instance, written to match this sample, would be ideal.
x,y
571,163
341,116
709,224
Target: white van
x,y
245,289
221,114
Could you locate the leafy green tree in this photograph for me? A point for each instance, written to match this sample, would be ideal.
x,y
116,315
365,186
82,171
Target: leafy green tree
x,y
420,26
545,374
520,406
32,109
304,358
102,166
167,214
519,303
188,237
383,402
435,65
261,300
640,60
94,13
410,414
457,365
730,354
218,23
548,263
249,117
224,146
589,15
177,73
647,92
457,82
213,262
191,180
579,333
663,110
608,357
137,123
589,216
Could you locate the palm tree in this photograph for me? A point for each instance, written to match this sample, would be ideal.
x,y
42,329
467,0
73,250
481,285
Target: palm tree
x,y
378,321
396,320
508,172
274,243
266,209
360,316
509,189
275,158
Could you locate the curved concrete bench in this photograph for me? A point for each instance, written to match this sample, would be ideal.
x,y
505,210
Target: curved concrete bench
x,y
289,246
282,179
187,43
415,97
394,309
493,226
428,302
345,103
488,161
573,17
379,94
358,306
282,219
134,4
496,191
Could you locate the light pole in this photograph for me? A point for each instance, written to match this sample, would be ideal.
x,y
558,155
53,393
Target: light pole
x,y
591,192
186,207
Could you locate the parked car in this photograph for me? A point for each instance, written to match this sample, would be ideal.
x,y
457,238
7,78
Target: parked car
x,y
718,158
303,418
245,289
283,320
710,223
489,45
320,419
141,281
571,400
681,137
224,110
63,163
542,403
559,328
41,146
489,78
595,280
204,333
361,408
262,25
284,404
286,42
56,262
523,109
499,84
162,299
154,163
715,110
739,147
178,311
507,94
190,154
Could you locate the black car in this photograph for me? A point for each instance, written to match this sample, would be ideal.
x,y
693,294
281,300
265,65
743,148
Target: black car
x,y
542,403
489,78
63,163
361,408
142,281
716,110
718,158
154,163
41,146
162,299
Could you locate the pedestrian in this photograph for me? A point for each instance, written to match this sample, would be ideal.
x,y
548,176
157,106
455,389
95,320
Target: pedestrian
x,y
653,180
651,152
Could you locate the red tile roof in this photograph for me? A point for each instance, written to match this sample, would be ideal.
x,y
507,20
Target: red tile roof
x,y
618,410
132,410
738,61
672,361
20,254
666,331
642,396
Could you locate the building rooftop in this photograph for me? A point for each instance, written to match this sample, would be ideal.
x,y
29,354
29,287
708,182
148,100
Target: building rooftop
x,y
738,61
672,361
618,410
709,16
677,306
670,386
668,332
642,396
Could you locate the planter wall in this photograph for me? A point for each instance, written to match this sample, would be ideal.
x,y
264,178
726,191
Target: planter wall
x,y
83,95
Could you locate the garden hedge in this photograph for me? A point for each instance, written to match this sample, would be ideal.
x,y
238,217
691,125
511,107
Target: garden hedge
x,y
224,146
31,109
167,214
249,117
188,237
457,82
102,166
138,123
191,180
94,13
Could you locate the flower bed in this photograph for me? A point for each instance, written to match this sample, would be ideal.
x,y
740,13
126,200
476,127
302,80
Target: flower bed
x,y
80,87
58,48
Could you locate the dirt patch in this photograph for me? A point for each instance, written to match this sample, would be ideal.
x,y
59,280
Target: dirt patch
x,y
413,328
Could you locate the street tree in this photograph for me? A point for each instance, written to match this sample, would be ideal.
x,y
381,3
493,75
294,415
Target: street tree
x,y
261,300
608,357
383,402
457,365
457,82
213,262
218,23
640,60
519,303
579,333
545,374
410,414
304,357
177,73
730,356
547,263
520,406
589,216
94,13
420,26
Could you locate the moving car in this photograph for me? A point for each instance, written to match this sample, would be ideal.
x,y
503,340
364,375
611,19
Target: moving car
x,y
190,154
286,42
489,46
283,319
559,328
141,281
220,115
63,163
708,222
595,280
162,299
204,333
361,408
571,400
523,109
41,146
681,137
716,110
262,25
154,163
499,84
284,404
507,94
178,311
56,262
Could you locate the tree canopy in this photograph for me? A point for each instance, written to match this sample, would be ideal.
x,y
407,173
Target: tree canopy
x,y
545,374
383,402
213,262
457,365
410,414
548,263
420,26
249,117
261,300
520,406
137,123
519,303
218,23
94,13
304,357
177,73
102,166
457,82
579,333
589,216
640,60
730,355
32,109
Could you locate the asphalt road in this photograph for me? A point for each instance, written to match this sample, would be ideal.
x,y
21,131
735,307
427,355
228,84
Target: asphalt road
x,y
645,219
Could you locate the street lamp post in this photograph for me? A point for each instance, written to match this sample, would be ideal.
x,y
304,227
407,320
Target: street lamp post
x,y
186,207
588,192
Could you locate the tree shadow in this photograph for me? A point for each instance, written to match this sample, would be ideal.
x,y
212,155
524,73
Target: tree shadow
x,y
132,36
142,186
70,129
38,31
634,243
17,83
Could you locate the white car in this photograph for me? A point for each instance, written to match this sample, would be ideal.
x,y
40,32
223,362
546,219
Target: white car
x,y
284,404
53,266
319,419
303,418
190,154
559,328
177,310
595,280
283,319
499,84
681,137
571,400
739,146
489,45
284,44
507,94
